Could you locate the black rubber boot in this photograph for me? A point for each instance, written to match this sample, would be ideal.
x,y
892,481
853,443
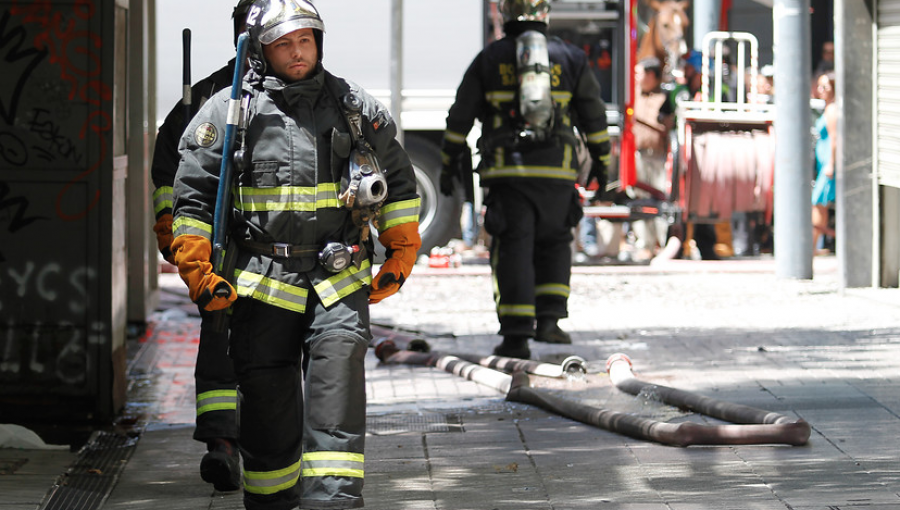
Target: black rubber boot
x,y
550,333
513,347
221,466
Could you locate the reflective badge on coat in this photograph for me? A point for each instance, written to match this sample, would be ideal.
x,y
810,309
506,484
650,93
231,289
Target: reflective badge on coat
x,y
380,121
206,134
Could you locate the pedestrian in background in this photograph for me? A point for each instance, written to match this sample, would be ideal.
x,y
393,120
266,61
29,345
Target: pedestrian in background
x,y
214,379
297,274
825,65
529,167
825,152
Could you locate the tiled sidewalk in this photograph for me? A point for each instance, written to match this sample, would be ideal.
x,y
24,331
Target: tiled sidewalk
x,y
439,442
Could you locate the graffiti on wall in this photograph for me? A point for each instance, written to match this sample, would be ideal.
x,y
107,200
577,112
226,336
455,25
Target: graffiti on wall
x,y
53,106
38,351
55,136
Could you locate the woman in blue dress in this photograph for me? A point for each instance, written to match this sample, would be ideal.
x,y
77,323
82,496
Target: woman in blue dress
x,y
826,147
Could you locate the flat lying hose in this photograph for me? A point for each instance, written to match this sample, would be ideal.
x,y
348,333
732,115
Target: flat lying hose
x,y
471,371
572,365
755,426
779,430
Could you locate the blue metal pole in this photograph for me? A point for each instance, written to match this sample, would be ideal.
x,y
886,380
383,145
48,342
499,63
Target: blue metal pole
x,y
223,205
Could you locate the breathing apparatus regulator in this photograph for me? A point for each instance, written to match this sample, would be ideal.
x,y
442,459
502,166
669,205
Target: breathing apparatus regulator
x,y
335,256
367,187
535,99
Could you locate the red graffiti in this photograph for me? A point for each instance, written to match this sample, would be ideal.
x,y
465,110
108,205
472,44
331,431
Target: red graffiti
x,y
59,36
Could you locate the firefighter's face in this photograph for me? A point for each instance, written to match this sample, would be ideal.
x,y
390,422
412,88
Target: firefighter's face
x,y
293,56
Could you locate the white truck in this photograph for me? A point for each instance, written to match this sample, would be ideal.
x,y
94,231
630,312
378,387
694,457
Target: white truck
x,y
440,39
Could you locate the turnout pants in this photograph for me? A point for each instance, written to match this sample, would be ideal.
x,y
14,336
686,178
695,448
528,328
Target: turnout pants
x,y
531,255
215,384
295,451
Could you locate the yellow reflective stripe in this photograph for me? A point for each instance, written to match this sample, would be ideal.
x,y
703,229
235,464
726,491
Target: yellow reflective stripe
x,y
396,213
552,289
270,482
344,283
567,157
543,172
561,97
345,456
162,199
496,97
454,137
605,159
184,225
598,137
287,198
216,400
516,310
346,464
268,290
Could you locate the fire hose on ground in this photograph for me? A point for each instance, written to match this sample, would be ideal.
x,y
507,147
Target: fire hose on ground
x,y
389,348
753,426
749,425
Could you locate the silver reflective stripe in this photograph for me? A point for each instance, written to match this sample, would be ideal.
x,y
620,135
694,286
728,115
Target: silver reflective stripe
x,y
268,290
552,289
516,310
454,137
397,213
345,464
287,198
184,225
270,482
216,400
344,283
543,172
496,97
162,199
598,137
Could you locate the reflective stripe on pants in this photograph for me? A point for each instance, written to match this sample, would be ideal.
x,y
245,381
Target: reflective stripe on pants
x,y
268,344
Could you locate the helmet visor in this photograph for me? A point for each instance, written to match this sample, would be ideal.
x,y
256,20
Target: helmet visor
x,y
291,16
270,35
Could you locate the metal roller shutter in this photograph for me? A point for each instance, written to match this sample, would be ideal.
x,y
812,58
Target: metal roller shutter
x,y
887,93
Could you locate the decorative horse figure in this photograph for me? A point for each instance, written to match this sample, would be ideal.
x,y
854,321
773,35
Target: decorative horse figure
x,y
664,38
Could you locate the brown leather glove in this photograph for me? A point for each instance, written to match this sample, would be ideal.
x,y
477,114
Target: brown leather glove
x,y
210,291
163,229
402,242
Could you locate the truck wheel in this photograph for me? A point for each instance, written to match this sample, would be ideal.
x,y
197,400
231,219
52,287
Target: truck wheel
x,y
438,214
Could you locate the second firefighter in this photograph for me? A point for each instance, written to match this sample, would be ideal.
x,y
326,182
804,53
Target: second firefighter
x,y
535,96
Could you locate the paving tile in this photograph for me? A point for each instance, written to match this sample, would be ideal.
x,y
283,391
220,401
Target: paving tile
x,y
804,349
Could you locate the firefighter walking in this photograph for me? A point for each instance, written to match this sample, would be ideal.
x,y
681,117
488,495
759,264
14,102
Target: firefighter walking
x,y
215,382
531,93
318,163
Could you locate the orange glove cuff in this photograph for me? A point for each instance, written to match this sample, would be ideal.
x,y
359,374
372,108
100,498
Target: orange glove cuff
x,y
209,290
163,230
402,243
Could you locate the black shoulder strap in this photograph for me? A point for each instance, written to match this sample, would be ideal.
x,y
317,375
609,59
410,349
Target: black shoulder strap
x,y
349,104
